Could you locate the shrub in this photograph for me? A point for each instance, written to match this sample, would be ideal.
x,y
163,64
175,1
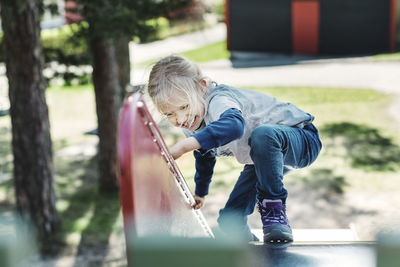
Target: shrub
x,y
66,53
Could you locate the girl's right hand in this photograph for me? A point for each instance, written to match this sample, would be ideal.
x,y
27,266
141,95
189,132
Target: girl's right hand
x,y
199,202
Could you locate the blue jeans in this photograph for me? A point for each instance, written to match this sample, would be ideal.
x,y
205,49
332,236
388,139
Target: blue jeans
x,y
274,151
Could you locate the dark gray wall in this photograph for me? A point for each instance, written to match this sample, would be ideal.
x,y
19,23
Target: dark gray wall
x,y
346,26
354,26
260,25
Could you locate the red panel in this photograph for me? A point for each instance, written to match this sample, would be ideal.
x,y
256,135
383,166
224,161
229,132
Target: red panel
x,y
393,20
305,27
154,196
125,172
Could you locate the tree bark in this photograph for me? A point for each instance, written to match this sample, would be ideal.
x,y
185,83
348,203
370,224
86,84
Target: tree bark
x,y
123,61
31,141
108,101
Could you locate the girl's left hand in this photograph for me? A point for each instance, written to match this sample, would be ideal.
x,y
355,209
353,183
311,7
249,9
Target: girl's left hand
x,y
199,202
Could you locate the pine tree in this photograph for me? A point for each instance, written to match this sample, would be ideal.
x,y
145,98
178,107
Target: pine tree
x,y
112,23
31,141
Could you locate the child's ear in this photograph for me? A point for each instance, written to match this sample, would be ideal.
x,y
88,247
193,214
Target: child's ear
x,y
203,82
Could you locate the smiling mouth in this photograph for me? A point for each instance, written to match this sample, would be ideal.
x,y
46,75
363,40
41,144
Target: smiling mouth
x,y
190,123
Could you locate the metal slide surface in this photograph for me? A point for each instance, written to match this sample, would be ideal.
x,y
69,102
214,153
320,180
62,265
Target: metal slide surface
x,y
154,195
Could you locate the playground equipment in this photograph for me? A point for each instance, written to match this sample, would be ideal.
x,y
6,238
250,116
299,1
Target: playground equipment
x,y
154,195
163,230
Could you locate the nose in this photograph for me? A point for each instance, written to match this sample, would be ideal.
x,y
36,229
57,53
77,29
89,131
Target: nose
x,y
181,118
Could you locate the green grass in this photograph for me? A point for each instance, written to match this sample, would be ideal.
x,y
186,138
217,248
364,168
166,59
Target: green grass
x,y
72,111
362,106
387,57
209,52
214,51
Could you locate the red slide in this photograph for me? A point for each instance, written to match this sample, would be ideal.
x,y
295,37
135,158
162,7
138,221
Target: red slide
x,y
154,196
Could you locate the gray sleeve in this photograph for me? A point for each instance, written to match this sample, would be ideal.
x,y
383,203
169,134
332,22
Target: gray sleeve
x,y
187,133
220,104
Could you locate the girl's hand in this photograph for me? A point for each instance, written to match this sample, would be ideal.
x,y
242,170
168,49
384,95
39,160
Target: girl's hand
x,y
199,202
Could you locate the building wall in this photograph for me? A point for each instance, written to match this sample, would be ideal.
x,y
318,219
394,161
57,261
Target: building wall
x,y
354,26
312,26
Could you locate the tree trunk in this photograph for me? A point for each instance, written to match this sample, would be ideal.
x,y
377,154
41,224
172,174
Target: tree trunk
x,y
124,64
31,141
108,101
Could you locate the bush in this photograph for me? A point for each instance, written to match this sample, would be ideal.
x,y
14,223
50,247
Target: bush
x,y
154,31
66,45
66,53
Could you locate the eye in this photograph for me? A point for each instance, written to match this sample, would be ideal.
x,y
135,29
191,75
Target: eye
x,y
168,115
184,107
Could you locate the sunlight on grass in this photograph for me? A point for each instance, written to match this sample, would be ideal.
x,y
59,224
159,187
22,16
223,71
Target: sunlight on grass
x,y
387,57
82,222
62,205
73,238
321,95
362,106
214,51
207,53
72,111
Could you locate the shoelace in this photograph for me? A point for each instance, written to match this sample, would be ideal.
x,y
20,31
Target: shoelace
x,y
273,215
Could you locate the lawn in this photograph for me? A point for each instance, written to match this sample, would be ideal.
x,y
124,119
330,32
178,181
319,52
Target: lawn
x,y
387,57
208,53
356,131
214,51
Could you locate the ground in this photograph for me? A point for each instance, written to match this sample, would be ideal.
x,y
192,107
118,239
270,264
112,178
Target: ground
x,y
367,210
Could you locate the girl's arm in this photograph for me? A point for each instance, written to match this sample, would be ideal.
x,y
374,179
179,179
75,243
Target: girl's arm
x,y
184,146
229,127
205,162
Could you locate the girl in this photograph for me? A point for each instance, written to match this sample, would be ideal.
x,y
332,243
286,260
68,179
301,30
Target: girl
x,y
265,135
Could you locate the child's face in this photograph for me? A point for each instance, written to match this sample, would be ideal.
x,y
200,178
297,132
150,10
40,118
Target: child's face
x,y
180,114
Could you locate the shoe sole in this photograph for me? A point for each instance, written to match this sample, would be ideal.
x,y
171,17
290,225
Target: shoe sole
x,y
278,236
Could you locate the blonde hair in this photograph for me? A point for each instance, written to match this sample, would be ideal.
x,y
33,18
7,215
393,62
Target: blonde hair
x,y
175,76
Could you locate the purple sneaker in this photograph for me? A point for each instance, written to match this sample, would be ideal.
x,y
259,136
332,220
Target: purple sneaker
x,y
276,228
